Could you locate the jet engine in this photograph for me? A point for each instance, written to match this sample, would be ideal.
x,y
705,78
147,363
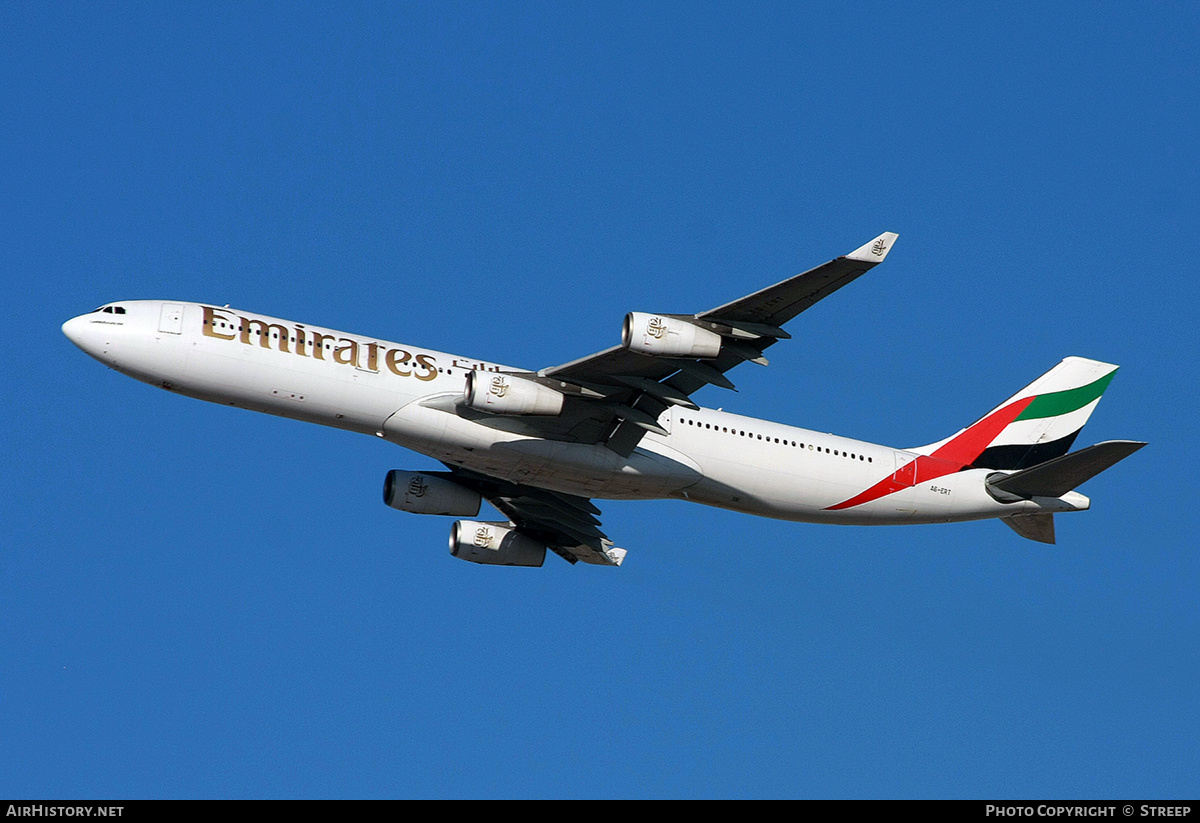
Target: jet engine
x,y
668,337
422,493
507,394
494,544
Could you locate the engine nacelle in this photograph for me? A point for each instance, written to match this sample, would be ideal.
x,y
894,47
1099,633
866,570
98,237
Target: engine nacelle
x,y
506,394
494,544
421,493
668,337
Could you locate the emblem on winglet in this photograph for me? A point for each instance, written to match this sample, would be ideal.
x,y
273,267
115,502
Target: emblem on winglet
x,y
874,251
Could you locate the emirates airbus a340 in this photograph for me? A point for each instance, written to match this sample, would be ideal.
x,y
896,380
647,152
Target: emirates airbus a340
x,y
619,424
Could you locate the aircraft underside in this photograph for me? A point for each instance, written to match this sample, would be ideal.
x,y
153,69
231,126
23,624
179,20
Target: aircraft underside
x,y
655,471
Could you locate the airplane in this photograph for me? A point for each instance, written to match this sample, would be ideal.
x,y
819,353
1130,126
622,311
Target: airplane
x,y
619,424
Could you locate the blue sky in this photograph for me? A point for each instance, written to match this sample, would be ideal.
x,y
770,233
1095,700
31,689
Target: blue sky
x,y
197,601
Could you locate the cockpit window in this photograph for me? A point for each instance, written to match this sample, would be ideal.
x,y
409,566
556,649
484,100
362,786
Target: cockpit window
x,y
109,310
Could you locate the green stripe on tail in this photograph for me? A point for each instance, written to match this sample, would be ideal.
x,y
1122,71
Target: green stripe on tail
x,y
1065,402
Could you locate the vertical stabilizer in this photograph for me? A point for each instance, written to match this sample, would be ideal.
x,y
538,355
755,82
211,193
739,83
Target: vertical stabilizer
x,y
1037,424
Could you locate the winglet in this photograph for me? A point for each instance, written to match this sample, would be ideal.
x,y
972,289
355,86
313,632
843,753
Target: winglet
x,y
876,250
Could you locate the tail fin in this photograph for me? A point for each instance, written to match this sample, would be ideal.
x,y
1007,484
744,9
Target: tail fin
x,y
1036,424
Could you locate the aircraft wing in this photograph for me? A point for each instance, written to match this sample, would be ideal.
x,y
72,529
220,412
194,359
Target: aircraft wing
x,y
617,395
567,524
775,305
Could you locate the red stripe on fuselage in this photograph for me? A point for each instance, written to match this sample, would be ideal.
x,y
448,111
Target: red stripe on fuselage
x,y
952,456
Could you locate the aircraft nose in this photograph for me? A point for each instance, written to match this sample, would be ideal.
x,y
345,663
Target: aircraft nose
x,y
73,329
86,335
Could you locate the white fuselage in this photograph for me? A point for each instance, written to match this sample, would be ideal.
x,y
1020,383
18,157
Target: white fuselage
x,y
408,395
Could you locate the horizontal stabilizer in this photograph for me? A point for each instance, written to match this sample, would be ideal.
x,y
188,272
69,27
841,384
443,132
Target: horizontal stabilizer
x,y
1039,527
1056,477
